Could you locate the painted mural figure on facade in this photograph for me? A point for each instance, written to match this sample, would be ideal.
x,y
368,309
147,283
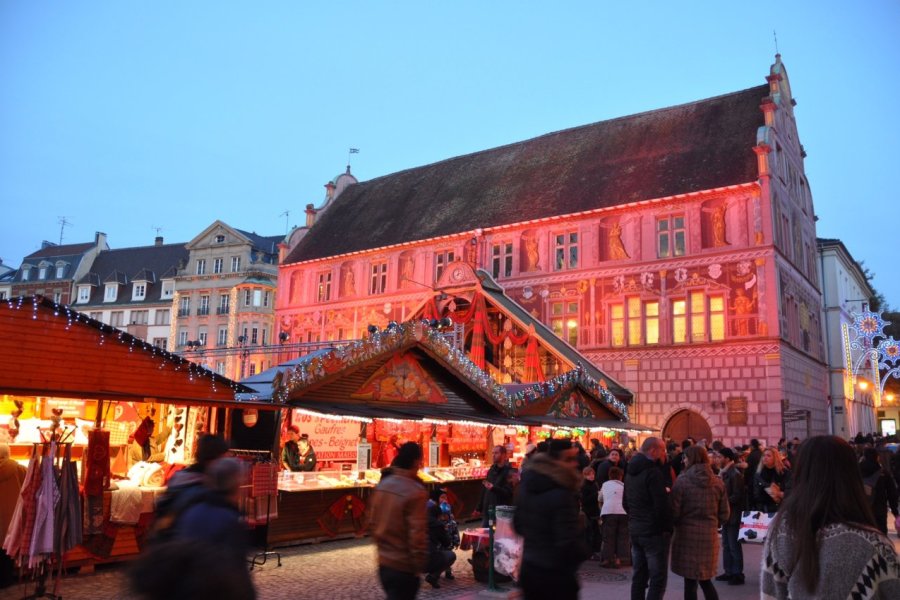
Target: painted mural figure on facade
x,y
718,226
616,246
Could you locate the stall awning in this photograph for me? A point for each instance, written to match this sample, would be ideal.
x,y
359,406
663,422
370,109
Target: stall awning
x,y
50,349
575,423
398,412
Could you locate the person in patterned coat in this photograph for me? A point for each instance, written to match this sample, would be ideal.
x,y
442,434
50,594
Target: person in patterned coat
x,y
823,543
699,506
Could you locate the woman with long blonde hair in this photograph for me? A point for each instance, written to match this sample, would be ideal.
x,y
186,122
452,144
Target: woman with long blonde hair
x,y
771,482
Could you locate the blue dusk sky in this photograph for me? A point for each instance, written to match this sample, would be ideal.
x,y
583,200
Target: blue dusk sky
x,y
124,117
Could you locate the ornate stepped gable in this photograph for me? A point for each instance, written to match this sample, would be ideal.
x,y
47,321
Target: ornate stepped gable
x,y
682,149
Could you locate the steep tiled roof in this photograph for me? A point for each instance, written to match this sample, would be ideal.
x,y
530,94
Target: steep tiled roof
x,y
266,243
682,149
54,251
127,264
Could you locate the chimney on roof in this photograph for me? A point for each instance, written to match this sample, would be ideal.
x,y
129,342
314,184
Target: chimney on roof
x,y
100,240
46,244
329,191
310,215
158,241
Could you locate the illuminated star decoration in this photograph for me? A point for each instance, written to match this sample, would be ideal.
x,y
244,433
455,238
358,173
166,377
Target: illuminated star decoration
x,y
868,325
889,351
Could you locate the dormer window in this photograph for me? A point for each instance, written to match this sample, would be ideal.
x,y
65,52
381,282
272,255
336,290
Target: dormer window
x,y
84,293
26,273
140,291
60,270
111,292
42,273
168,288
220,239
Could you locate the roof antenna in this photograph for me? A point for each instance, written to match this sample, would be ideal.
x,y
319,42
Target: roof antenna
x,y
775,35
158,230
287,215
352,151
62,227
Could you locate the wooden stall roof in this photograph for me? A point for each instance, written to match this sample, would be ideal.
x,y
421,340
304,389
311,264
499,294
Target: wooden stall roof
x,y
49,349
411,377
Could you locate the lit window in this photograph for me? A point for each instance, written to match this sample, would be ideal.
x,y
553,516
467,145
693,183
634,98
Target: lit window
x,y
201,266
565,321
670,236
634,321
218,265
699,318
323,289
651,322
617,324
502,260
378,281
441,261
566,245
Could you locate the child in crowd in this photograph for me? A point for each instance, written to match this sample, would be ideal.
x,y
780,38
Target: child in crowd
x,y
591,509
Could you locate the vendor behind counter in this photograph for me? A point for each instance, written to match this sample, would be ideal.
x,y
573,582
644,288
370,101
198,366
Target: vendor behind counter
x,y
298,453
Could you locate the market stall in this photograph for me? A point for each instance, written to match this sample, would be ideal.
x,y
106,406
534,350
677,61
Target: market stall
x,y
125,412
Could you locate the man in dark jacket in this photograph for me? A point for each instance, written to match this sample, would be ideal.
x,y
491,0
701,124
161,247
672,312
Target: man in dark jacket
x,y
736,489
547,519
752,463
497,484
879,487
649,521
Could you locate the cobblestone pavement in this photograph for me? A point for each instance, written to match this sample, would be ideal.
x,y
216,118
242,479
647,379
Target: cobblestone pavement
x,y
345,570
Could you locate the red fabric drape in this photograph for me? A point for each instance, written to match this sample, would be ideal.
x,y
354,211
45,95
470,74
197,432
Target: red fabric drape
x,y
533,370
476,351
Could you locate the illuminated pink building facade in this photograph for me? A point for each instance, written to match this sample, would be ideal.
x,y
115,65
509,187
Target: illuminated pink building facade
x,y
675,249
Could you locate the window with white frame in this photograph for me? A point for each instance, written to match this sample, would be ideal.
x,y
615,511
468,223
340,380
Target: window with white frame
x,y
565,250
441,261
670,236
323,286
224,300
117,318
254,335
97,316
266,298
378,279
57,297
502,260
220,239
139,317
139,292
220,367
257,297
161,342
162,316
168,288
202,336
182,337
634,322
698,318
42,272
203,309
235,264
111,292
201,266
2,294
263,335
84,293
218,265
222,337
184,306
60,271
564,321
26,273
248,297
